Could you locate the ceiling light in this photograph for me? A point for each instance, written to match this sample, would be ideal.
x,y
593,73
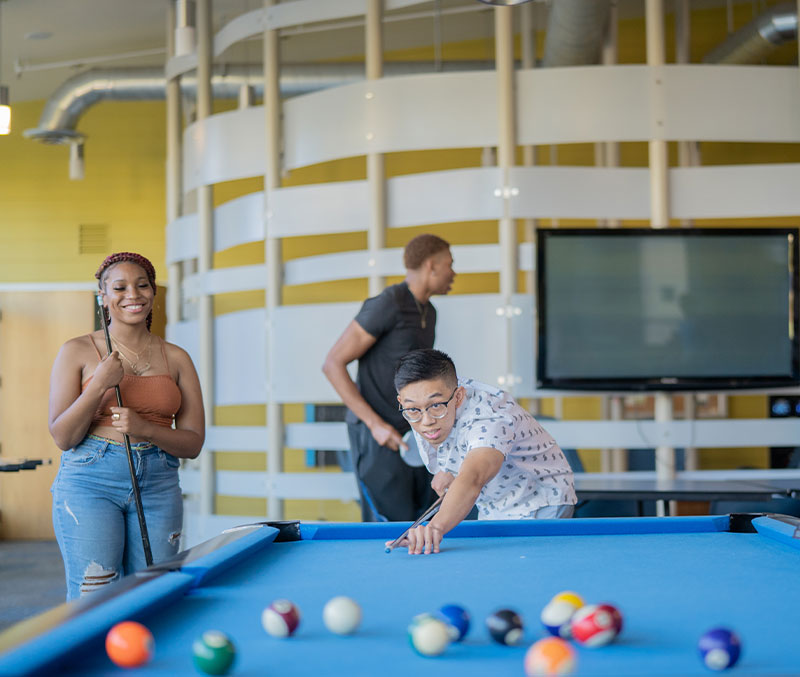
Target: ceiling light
x,y
5,108
505,3
5,111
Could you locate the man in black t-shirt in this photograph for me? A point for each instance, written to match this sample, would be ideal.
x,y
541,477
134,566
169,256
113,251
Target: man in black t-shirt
x,y
396,321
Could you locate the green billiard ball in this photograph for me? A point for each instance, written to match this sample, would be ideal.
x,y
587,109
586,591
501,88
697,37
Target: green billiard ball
x,y
213,653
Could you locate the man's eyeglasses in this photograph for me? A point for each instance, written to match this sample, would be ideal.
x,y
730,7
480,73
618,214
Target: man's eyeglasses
x,y
437,410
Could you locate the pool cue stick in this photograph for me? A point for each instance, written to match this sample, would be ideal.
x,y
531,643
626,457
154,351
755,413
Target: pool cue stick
x,y
137,497
430,512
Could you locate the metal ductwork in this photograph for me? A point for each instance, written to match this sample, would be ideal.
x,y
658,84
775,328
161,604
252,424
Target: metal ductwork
x,y
575,32
59,119
757,39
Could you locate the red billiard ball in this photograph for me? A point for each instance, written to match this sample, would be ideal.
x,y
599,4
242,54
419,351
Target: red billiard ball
x,y
281,618
596,624
129,644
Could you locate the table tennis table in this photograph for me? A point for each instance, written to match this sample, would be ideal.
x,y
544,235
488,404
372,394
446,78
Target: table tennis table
x,y
733,485
15,465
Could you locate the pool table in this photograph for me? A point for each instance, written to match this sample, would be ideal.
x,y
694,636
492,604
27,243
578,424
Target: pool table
x,y
672,577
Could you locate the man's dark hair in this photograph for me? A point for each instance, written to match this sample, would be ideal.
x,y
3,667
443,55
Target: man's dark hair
x,y
424,365
421,248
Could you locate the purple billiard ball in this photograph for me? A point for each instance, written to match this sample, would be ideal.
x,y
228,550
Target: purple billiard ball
x,y
457,620
719,648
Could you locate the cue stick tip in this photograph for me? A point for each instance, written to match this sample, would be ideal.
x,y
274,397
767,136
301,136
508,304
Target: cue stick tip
x,y
387,549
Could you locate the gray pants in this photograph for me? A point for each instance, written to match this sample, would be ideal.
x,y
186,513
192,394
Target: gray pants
x,y
554,512
390,489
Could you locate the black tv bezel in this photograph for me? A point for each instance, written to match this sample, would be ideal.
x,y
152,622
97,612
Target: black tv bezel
x,y
658,383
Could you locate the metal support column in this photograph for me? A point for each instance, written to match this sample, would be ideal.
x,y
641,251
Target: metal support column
x,y
659,197
173,169
272,253
528,43
376,166
205,257
687,157
504,63
607,155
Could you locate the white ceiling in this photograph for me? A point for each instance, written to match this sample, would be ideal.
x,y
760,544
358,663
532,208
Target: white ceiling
x,y
124,33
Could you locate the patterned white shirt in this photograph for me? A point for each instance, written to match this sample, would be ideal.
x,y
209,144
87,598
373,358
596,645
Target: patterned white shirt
x,y
535,472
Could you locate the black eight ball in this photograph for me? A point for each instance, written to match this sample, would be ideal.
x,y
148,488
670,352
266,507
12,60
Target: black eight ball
x,y
505,627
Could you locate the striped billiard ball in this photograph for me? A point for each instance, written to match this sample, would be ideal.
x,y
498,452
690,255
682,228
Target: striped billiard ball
x,y
281,618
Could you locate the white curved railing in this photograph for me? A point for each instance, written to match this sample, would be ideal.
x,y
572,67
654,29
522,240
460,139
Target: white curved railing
x,y
456,110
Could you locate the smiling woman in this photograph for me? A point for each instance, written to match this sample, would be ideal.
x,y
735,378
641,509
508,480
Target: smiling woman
x,y
142,396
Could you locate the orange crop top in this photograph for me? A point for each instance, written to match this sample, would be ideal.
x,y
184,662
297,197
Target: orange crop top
x,y
155,398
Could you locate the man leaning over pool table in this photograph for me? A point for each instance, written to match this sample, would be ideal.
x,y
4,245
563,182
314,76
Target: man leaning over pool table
x,y
482,448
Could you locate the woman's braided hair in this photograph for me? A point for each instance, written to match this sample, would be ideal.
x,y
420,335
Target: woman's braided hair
x,y
127,257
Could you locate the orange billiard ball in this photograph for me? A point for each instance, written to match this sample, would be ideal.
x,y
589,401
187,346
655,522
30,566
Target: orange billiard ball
x,y
129,644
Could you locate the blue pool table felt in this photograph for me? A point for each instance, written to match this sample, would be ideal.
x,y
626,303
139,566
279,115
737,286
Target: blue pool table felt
x,y
670,588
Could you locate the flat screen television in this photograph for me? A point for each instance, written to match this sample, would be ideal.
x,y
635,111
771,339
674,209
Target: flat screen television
x,y
641,309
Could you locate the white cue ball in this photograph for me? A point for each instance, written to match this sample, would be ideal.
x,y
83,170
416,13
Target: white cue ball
x,y
429,636
342,615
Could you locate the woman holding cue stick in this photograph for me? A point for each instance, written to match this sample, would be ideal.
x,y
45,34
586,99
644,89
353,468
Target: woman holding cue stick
x,y
158,419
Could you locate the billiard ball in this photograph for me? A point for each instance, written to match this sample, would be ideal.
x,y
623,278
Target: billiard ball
x,y
719,648
342,615
457,620
549,657
505,627
281,618
596,624
129,644
213,653
428,635
557,614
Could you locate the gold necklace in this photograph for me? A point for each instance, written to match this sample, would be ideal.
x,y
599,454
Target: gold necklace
x,y
423,312
135,367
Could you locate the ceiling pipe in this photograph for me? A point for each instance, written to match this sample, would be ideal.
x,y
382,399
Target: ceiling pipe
x,y
759,38
59,118
575,33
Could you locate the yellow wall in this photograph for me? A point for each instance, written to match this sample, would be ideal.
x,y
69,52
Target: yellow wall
x,y
41,209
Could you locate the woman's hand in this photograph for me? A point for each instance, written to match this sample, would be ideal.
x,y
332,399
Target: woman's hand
x,y
128,422
109,371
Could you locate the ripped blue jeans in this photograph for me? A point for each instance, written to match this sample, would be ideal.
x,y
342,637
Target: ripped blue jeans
x,y
94,512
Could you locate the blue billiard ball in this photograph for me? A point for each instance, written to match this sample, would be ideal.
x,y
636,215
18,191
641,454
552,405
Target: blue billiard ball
x,y
457,620
719,648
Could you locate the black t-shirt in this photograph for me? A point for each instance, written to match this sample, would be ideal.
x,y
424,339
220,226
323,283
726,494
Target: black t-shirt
x,y
394,319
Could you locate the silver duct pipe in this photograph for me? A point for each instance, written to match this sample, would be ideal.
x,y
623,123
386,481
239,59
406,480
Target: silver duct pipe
x,y
575,32
59,118
758,38
575,35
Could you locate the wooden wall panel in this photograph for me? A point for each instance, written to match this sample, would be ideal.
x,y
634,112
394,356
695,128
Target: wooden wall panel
x,y
33,327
